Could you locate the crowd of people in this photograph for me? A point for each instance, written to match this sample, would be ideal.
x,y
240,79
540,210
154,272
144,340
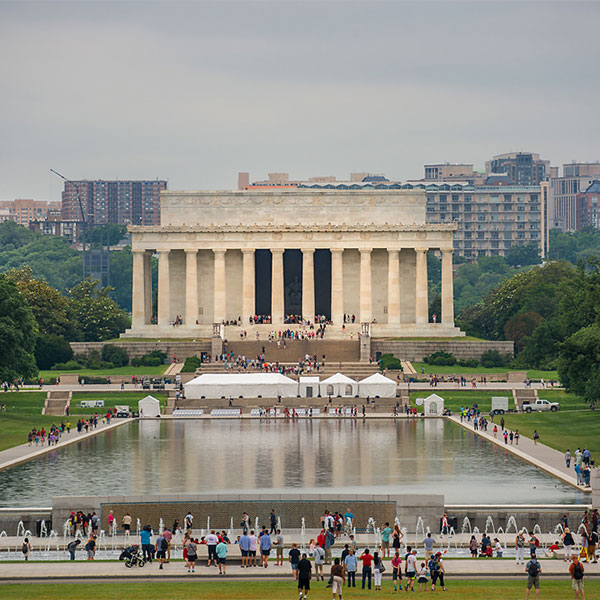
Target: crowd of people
x,y
39,436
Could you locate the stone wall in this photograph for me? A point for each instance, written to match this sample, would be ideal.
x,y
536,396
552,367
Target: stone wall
x,y
135,349
416,350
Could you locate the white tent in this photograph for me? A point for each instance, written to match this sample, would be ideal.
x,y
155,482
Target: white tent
x,y
308,387
149,407
433,406
377,386
339,385
251,385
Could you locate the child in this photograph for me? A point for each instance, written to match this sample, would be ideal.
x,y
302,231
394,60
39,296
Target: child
x,y
498,548
551,551
422,578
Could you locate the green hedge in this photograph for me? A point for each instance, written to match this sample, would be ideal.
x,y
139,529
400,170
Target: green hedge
x,y
191,364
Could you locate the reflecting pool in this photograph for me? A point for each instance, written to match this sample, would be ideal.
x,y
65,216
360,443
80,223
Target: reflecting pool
x,y
186,456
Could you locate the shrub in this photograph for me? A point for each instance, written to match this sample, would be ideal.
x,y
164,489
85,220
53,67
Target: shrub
x,y
191,364
441,359
468,362
151,361
136,362
51,349
389,361
115,354
492,358
70,365
93,379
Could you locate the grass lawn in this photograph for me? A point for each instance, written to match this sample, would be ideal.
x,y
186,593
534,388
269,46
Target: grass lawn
x,y
159,370
439,339
458,370
561,430
455,399
15,427
259,590
111,399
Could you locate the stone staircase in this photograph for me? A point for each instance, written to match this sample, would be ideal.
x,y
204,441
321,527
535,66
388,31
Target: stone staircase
x,y
57,402
339,350
520,396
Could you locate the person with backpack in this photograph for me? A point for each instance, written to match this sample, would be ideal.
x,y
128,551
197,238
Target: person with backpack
x,y
568,543
533,570
437,570
329,541
91,547
576,572
26,549
592,544
161,550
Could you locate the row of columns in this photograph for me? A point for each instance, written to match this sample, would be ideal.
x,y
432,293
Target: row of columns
x,y
142,286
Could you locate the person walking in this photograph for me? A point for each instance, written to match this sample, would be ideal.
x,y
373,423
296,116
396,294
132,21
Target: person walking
x,y
329,541
192,554
367,572
294,558
533,570
211,543
428,542
168,537
351,564
273,521
536,437
265,548
222,557
319,556
397,570
568,459
337,577
26,549
437,571
189,521
161,550
576,571
145,541
304,576
244,544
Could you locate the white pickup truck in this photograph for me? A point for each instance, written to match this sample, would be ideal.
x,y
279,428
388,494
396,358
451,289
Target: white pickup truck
x,y
540,405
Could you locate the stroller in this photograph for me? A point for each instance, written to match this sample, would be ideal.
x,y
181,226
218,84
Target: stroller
x,y
132,556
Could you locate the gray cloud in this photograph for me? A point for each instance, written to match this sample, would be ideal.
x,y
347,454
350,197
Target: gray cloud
x,y
196,91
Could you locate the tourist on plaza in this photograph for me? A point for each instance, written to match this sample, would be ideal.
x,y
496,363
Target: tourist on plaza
x,y
367,572
533,544
126,522
252,549
91,547
592,544
211,541
110,520
221,551
568,542
329,541
422,578
265,548
168,537
304,576
397,537
294,558
473,546
520,547
351,564
410,561
536,437
245,523
437,570
175,527
349,516
428,542
337,579
244,543
145,541
378,569
576,571
191,554
385,539
533,570
273,521
517,436
498,548
397,570
319,556
278,543
568,459
72,547
445,528
161,549
189,520
26,549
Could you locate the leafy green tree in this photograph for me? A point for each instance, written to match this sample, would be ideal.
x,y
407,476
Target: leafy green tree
x,y
523,255
101,235
520,326
579,361
14,236
115,354
51,349
17,334
98,316
121,273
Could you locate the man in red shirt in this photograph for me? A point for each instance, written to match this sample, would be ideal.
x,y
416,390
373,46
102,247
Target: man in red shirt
x,y
321,539
366,559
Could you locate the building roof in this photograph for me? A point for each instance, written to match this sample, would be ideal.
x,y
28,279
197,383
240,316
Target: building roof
x,y
594,188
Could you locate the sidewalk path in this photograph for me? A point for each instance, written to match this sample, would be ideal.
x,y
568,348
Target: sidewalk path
x,y
545,458
18,454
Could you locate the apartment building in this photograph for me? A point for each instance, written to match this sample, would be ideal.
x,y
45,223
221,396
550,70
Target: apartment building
x,y
523,168
588,207
25,210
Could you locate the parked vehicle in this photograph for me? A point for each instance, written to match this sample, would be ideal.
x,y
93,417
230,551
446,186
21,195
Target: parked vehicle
x,y
158,384
146,384
540,405
499,405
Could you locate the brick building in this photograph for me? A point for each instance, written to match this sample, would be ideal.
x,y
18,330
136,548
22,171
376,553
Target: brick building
x,y
25,210
588,208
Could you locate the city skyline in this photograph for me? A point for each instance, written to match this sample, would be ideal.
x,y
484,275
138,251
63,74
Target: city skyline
x,y
195,92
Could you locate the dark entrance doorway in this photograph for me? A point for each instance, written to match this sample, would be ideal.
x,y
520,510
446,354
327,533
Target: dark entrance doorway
x,y
292,282
262,282
323,282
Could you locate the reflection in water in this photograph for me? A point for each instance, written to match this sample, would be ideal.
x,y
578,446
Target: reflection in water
x,y
407,456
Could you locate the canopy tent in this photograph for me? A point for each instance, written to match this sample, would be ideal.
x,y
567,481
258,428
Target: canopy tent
x,y
149,407
251,385
308,387
433,406
339,385
377,386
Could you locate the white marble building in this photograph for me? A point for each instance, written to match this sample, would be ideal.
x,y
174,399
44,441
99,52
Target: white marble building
x,y
229,255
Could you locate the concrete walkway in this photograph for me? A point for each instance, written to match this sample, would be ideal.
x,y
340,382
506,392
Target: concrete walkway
x,y
19,454
545,458
479,567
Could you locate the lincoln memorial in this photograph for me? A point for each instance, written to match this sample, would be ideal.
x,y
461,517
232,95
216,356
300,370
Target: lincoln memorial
x,y
224,257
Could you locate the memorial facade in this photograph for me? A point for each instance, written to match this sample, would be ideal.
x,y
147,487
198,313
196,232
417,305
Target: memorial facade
x,y
228,257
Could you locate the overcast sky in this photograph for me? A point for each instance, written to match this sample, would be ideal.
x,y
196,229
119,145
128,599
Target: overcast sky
x,y
195,92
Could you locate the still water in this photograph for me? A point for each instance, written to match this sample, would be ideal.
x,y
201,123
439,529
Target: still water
x,y
179,456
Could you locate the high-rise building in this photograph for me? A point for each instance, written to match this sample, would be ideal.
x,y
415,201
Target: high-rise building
x,y
121,202
523,168
588,207
25,210
449,171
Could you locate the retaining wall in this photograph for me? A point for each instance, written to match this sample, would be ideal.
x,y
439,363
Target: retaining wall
x,y
416,350
136,349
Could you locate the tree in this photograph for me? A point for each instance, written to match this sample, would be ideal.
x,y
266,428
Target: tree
x,y
579,361
121,274
98,316
17,334
522,255
51,349
520,326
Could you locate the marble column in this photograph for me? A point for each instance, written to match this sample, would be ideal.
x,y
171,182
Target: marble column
x,y
191,287
308,283
164,288
447,289
366,302
248,284
220,309
337,286
421,305
138,291
277,294
393,317
148,287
